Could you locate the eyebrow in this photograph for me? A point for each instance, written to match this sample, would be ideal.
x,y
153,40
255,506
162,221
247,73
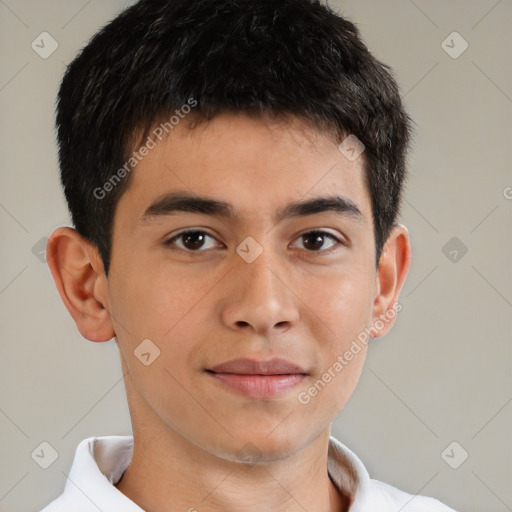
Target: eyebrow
x,y
184,202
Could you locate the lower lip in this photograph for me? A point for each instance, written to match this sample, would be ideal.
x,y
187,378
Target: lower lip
x,y
259,386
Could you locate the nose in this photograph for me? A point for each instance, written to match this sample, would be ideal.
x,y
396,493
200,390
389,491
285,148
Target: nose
x,y
259,297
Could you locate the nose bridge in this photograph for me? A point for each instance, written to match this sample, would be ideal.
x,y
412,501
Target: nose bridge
x,y
260,276
259,295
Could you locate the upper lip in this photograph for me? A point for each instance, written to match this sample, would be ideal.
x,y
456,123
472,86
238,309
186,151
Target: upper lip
x,y
254,367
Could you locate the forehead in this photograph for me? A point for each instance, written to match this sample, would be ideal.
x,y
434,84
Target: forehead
x,y
256,165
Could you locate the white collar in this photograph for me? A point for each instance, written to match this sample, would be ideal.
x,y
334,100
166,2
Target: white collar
x,y
101,461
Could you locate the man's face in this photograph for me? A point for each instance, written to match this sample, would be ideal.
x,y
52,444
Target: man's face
x,y
210,297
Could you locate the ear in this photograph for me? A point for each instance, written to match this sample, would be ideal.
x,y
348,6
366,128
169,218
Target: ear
x,y
78,273
393,268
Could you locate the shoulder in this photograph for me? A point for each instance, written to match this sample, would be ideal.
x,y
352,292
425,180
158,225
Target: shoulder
x,y
351,477
398,500
98,464
62,504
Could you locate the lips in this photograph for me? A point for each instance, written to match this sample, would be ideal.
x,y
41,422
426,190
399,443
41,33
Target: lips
x,y
258,379
253,367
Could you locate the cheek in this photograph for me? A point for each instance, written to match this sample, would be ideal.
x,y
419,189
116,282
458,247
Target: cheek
x,y
149,305
340,312
172,314
343,302
329,391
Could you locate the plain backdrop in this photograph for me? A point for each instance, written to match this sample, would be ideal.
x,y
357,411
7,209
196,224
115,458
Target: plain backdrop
x,y
435,390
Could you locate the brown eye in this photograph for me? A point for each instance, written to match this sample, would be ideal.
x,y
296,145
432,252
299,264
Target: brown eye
x,y
314,241
191,241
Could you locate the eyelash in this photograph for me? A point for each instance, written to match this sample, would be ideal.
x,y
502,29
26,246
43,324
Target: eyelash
x,y
325,234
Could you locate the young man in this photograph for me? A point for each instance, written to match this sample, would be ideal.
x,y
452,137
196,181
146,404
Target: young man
x,y
234,171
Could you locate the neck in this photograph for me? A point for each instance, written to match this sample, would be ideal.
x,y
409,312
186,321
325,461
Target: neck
x,y
193,479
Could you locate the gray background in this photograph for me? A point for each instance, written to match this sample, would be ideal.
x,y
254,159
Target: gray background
x,y
444,372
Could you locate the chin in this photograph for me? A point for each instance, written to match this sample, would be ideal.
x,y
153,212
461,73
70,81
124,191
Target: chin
x,y
260,446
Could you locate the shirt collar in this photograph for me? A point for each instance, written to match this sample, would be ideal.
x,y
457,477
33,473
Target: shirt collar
x,y
101,461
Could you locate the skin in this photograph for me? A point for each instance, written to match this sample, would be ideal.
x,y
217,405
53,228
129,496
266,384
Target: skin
x,y
298,300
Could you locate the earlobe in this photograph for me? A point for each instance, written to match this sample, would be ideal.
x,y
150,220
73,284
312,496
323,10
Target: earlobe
x,y
393,269
78,274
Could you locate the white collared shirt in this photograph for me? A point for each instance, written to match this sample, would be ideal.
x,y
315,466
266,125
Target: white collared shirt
x,y
101,461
